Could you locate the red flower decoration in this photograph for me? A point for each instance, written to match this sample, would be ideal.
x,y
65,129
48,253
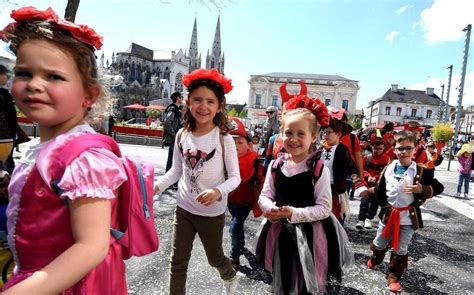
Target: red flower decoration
x,y
211,74
315,105
81,33
32,13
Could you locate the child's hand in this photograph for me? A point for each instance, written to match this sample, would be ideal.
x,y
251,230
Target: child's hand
x,y
413,188
209,196
279,213
156,190
274,215
286,212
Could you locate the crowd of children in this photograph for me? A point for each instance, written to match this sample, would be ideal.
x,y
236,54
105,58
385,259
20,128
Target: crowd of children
x,y
302,194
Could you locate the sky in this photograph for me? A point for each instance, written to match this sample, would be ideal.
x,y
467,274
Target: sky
x,y
375,42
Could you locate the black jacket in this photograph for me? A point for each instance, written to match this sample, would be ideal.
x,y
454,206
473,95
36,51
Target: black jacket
x,y
8,124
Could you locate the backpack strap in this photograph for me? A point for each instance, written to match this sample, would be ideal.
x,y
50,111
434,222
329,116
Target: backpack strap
x,y
71,150
221,139
318,170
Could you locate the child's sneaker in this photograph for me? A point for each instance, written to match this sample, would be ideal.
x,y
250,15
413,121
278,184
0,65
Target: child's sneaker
x,y
466,196
230,286
458,195
360,225
368,224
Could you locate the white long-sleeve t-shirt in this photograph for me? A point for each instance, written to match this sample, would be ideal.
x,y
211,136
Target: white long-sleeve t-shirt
x,y
199,166
322,193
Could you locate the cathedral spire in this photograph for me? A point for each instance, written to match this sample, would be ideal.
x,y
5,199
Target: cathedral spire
x,y
194,61
216,46
193,45
215,59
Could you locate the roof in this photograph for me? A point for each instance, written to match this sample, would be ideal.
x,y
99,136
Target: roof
x,y
164,54
409,96
305,76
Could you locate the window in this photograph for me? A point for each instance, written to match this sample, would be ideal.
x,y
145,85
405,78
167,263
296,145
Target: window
x,y
413,112
258,99
327,101
387,111
275,100
399,111
428,114
345,104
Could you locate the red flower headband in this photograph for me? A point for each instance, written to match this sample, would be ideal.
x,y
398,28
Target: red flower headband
x,y
212,75
315,105
81,33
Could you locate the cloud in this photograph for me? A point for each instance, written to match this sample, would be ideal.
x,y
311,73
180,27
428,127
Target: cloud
x,y
402,9
391,36
436,82
445,19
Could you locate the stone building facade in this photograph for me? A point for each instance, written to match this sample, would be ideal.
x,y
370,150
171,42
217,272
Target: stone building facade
x,y
337,91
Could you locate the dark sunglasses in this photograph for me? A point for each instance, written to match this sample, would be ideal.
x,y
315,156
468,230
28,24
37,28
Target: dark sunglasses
x,y
402,149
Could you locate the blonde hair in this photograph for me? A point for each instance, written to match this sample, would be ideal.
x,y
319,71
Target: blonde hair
x,y
306,114
82,54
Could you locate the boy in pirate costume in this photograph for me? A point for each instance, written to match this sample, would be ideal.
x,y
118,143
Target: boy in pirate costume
x,y
401,190
341,165
373,166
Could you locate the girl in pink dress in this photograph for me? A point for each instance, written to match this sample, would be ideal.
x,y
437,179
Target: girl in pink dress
x,y
61,242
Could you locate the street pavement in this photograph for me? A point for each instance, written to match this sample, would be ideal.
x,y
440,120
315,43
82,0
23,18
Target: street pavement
x,y
441,257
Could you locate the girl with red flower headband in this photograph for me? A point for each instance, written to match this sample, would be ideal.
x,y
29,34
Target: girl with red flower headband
x,y
301,243
60,239
207,170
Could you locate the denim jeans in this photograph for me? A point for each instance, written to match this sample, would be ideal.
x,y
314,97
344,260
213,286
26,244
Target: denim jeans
x,y
368,208
466,178
239,213
406,233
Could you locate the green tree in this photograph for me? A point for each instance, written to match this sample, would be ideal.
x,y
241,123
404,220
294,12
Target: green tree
x,y
233,112
155,114
243,113
442,132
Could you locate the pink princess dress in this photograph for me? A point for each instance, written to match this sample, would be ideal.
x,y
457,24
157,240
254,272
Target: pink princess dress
x,y
39,225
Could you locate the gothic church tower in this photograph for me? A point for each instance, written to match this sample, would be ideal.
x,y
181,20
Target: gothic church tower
x,y
194,60
216,60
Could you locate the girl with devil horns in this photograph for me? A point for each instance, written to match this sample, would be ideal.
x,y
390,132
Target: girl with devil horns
x,y
301,242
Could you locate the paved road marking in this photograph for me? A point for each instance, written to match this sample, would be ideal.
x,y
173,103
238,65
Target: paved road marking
x,y
462,206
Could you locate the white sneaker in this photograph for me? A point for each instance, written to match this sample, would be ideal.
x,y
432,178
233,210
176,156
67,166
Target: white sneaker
x,y
466,196
368,224
360,225
458,195
230,286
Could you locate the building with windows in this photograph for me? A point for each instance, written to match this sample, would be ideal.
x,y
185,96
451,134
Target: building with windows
x,y
144,67
333,90
403,105
153,75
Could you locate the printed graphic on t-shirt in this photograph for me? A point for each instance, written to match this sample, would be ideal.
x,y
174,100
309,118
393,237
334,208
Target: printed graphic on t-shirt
x,y
195,160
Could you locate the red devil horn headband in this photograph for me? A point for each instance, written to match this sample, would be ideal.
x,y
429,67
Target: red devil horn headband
x,y
285,96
